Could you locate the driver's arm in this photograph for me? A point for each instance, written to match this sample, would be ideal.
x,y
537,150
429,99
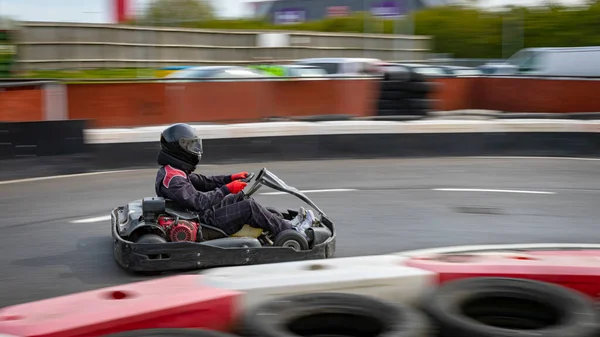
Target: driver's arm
x,y
181,191
204,184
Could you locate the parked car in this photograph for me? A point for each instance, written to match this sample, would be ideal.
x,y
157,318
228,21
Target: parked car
x,y
424,69
344,66
199,73
577,61
292,70
461,71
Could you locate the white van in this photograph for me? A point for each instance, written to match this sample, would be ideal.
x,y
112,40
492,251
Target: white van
x,y
578,61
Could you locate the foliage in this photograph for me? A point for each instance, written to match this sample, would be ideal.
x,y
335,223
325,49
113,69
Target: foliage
x,y
176,12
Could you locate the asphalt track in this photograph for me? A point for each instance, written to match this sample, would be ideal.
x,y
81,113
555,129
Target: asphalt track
x,y
396,205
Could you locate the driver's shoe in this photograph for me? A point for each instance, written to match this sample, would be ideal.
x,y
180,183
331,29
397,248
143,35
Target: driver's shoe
x,y
305,224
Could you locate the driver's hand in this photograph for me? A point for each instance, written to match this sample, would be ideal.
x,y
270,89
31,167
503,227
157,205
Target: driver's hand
x,y
236,186
238,176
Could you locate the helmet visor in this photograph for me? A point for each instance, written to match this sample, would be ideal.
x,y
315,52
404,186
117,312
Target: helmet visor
x,y
191,145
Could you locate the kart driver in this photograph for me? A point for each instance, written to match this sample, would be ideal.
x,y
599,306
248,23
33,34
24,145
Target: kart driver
x,y
217,199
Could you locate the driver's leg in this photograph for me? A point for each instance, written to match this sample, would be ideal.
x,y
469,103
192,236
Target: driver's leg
x,y
235,211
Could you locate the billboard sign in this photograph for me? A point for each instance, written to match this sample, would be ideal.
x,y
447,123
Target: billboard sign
x,y
289,16
335,11
387,9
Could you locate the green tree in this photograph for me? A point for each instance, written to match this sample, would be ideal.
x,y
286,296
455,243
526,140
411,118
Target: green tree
x,y
180,13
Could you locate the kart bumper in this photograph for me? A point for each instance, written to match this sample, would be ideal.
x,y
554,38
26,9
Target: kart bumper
x,y
179,256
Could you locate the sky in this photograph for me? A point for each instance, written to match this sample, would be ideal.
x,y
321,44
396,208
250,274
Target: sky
x,y
99,11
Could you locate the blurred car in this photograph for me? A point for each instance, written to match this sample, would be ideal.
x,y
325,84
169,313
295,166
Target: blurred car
x,y
424,69
344,66
461,71
197,74
292,70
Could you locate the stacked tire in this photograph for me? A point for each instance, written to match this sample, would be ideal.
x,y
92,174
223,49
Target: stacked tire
x,y
405,92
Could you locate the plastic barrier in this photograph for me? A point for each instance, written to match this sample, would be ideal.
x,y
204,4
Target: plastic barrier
x,y
580,272
171,333
171,302
382,276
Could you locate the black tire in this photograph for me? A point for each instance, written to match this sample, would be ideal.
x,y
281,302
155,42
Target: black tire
x,y
291,238
390,105
503,307
393,86
332,314
421,104
419,87
170,333
151,239
392,95
397,75
275,211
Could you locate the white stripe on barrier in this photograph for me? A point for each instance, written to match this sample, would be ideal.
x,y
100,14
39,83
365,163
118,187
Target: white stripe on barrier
x,y
498,247
380,276
277,129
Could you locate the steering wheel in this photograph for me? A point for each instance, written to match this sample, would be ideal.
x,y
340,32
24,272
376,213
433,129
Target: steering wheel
x,y
248,178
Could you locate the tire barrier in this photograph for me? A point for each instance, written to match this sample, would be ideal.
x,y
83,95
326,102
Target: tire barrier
x,y
333,314
486,301
107,149
405,92
501,307
44,147
355,139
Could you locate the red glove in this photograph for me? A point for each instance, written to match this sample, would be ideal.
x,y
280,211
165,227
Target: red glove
x,y
241,175
236,186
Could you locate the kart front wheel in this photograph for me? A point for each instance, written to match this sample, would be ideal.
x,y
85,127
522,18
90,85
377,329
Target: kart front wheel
x,y
292,239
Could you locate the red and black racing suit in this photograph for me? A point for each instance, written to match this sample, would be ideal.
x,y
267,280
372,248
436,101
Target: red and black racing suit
x,y
217,207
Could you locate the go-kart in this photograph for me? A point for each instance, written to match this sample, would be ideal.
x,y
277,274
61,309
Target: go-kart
x,y
157,235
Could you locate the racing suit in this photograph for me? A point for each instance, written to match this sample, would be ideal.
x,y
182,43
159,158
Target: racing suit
x,y
214,202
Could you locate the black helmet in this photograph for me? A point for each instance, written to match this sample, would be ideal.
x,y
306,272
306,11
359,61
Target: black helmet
x,y
180,141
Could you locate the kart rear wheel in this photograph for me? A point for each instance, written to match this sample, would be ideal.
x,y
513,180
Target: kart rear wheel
x,y
292,239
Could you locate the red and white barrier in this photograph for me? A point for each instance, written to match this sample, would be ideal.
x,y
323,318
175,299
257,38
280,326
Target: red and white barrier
x,y
215,299
383,276
172,302
578,270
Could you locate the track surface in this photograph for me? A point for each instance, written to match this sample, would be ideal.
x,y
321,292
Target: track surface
x,y
395,208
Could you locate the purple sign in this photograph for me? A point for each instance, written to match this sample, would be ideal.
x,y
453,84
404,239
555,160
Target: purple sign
x,y
289,15
387,9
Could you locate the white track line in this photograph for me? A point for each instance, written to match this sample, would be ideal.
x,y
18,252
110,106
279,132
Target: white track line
x,y
64,176
533,157
78,175
90,220
489,190
313,191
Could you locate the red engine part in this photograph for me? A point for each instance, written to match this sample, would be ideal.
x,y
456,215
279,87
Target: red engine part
x,y
181,231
